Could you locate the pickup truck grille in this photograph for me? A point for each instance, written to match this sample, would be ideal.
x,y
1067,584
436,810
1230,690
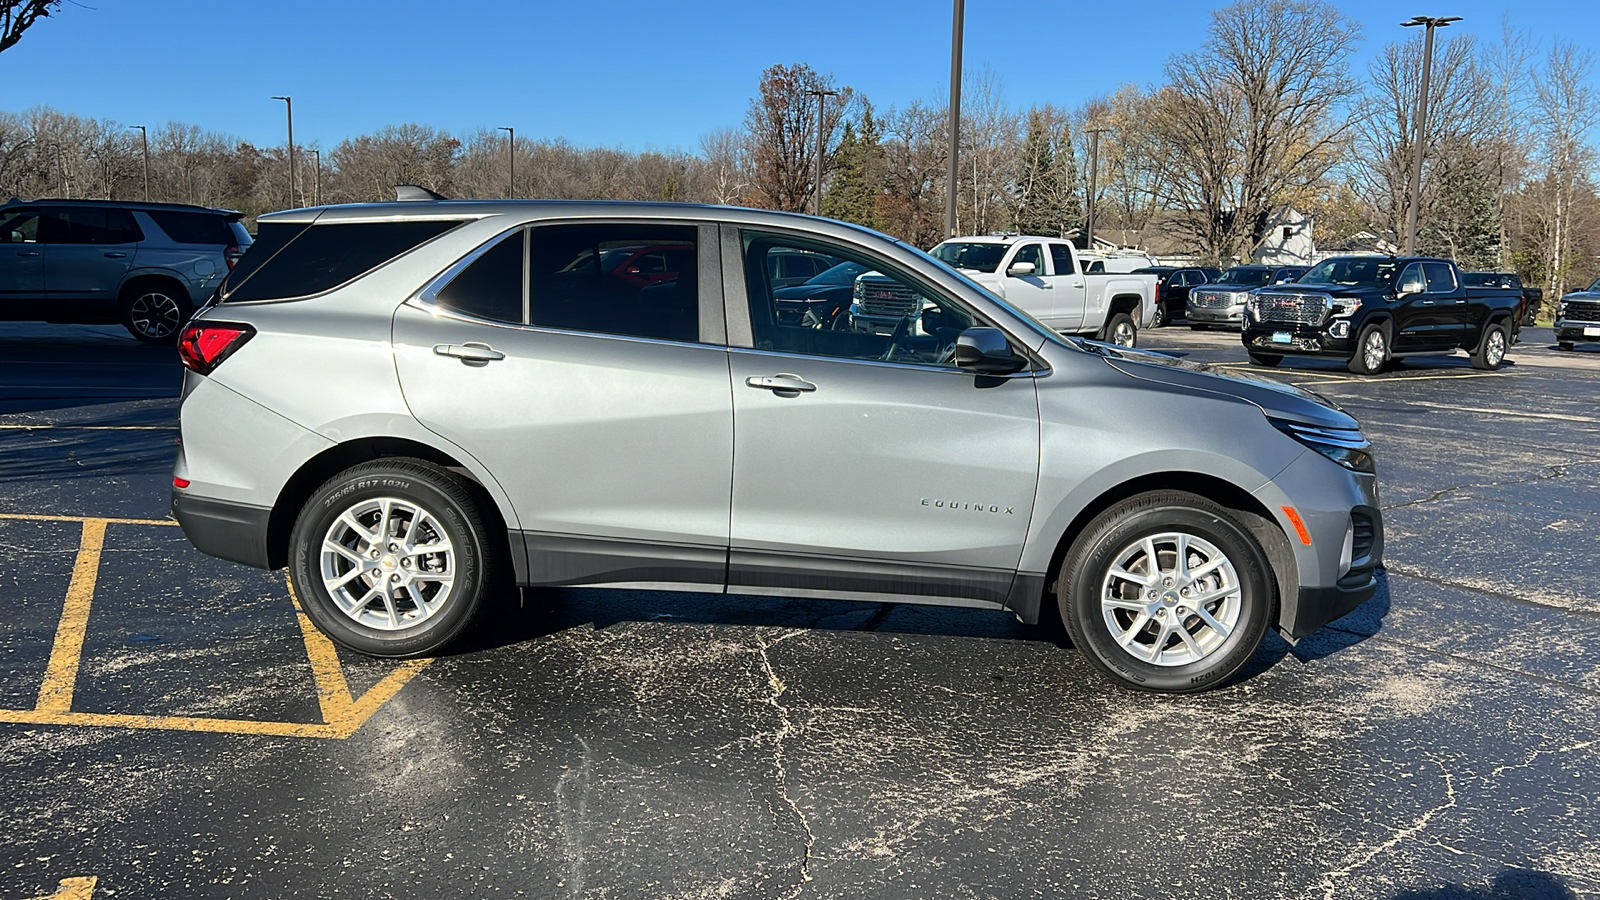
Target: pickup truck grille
x,y
1290,309
1578,311
889,299
1214,299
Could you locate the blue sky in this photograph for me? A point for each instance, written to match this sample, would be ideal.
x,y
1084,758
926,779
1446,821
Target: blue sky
x,y
617,73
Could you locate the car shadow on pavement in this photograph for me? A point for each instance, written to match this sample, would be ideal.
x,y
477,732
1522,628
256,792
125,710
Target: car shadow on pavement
x,y
1522,884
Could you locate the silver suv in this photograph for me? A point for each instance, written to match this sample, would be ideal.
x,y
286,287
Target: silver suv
x,y
84,262
405,403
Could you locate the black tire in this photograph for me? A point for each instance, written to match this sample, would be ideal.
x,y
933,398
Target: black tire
x,y
1085,578
1492,348
1161,318
1121,327
1372,351
1270,360
1565,345
1196,326
155,311
451,514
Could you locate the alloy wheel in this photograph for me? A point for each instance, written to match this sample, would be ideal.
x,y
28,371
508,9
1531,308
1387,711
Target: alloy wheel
x,y
1171,599
388,563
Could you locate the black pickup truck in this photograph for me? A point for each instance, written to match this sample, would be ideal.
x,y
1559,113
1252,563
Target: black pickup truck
x,y
1532,297
1372,309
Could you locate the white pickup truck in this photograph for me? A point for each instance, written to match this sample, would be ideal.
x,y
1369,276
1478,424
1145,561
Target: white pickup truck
x,y
1043,277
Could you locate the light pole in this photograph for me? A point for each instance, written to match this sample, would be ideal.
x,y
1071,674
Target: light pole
x,y
316,194
1094,186
955,118
511,161
288,105
144,137
1431,22
821,96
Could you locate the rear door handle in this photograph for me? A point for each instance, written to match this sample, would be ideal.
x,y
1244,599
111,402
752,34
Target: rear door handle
x,y
28,253
782,384
116,256
472,354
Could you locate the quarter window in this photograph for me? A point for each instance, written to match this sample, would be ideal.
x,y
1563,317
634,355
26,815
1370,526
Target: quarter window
x,y
622,279
295,261
880,314
490,287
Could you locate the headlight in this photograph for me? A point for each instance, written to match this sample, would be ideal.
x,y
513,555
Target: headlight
x,y
1346,446
1345,307
1561,310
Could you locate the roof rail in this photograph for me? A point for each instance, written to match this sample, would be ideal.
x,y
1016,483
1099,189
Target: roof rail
x,y
409,192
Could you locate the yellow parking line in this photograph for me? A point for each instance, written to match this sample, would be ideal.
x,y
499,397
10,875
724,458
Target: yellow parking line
x,y
342,713
55,695
73,889
29,517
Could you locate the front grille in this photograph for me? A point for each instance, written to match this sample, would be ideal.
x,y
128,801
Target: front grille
x,y
888,298
1578,311
1286,308
1213,299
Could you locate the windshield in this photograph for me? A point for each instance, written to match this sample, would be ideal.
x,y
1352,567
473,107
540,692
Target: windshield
x,y
1595,288
973,256
1358,272
843,273
1251,277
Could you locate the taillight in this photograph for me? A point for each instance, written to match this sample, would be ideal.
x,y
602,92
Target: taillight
x,y
204,345
231,253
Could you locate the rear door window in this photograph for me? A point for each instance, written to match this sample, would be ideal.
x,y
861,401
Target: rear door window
x,y
619,279
1441,280
285,262
85,225
1062,257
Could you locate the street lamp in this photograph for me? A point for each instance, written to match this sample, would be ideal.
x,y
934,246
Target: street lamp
x,y
317,193
511,160
955,118
144,136
288,105
1431,22
820,94
1094,187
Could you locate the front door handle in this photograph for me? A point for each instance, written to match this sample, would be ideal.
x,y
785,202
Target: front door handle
x,y
471,354
1427,303
783,384
116,256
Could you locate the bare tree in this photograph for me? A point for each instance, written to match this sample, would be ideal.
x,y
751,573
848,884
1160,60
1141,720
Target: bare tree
x,y
1248,122
17,16
368,167
915,155
991,144
782,127
1128,179
724,153
1567,108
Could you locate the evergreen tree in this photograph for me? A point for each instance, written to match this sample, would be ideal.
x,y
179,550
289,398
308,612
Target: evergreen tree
x,y
1461,223
857,185
1034,200
1067,193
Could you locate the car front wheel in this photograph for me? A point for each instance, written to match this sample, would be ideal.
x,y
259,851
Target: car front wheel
x,y
1167,591
391,558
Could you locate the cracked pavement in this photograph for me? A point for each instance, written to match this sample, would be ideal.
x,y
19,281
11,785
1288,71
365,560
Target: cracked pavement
x,y
1440,743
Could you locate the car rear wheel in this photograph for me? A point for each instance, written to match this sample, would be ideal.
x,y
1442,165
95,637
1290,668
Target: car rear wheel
x,y
1491,350
1372,351
1121,331
1167,591
391,558
154,313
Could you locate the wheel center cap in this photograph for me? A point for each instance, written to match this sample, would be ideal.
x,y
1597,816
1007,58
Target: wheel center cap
x,y
1170,598
390,562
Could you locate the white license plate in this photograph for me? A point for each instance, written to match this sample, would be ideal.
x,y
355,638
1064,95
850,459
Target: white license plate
x,y
1591,332
1282,337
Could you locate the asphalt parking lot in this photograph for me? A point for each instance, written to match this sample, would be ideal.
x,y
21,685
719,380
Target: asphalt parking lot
x,y
171,726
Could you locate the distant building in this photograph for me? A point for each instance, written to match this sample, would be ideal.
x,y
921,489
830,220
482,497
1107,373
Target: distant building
x,y
1287,240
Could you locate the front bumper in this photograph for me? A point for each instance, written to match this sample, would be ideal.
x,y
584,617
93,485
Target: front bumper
x,y
1303,340
1216,315
235,532
1577,331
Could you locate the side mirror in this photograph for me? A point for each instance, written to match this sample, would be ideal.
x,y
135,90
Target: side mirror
x,y
1020,268
986,350
1413,286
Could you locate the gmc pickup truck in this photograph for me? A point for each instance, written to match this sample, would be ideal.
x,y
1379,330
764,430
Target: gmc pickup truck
x,y
1043,277
1578,317
1370,310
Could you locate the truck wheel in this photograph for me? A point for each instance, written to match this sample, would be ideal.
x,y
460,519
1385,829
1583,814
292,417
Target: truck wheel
x,y
1565,345
1167,591
1265,359
1121,331
1491,350
1196,326
1160,318
1372,351
390,558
